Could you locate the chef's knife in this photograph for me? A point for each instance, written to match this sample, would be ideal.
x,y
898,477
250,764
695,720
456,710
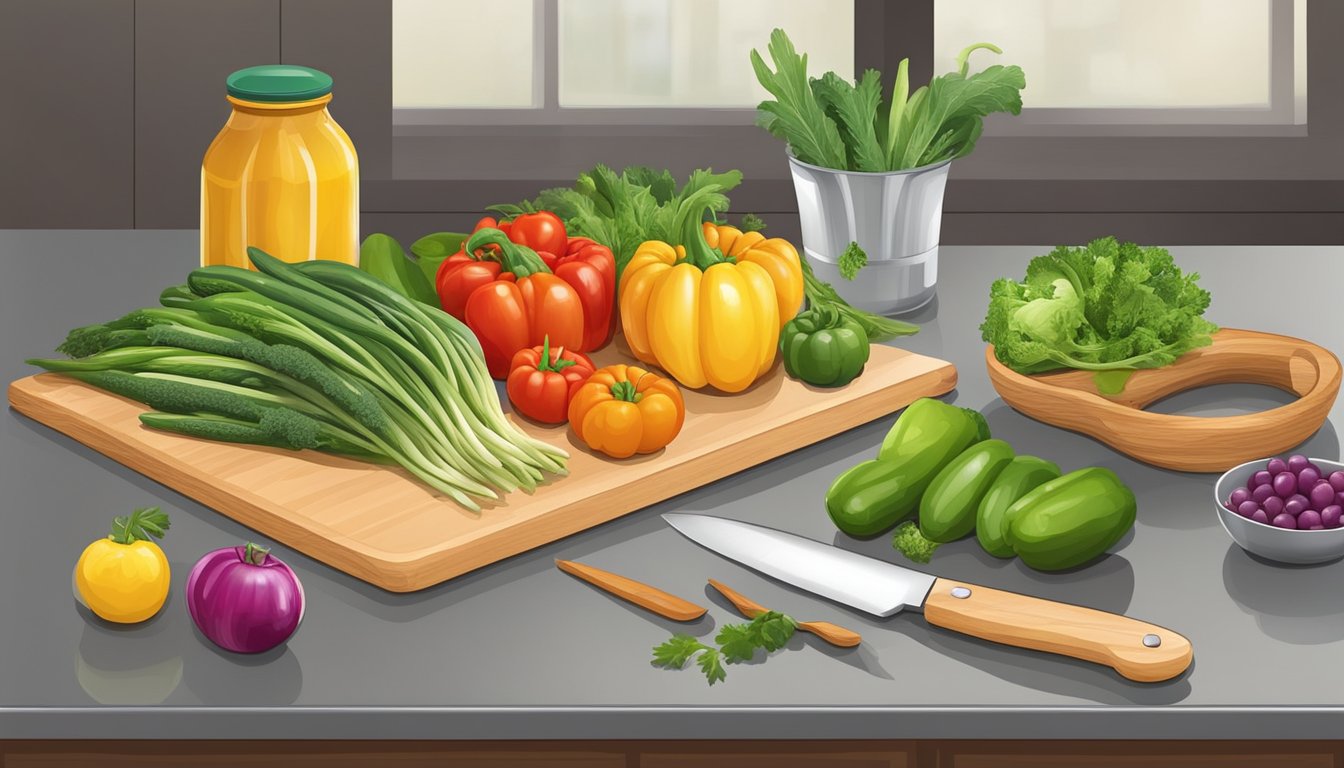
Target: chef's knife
x,y
1137,650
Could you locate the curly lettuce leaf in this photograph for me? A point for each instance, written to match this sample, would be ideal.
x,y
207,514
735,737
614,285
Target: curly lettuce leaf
x,y
1106,306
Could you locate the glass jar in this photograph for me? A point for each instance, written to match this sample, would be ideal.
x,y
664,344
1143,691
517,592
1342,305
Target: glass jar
x,y
281,175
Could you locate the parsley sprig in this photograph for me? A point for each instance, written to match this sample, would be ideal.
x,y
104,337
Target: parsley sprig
x,y
852,260
736,643
144,524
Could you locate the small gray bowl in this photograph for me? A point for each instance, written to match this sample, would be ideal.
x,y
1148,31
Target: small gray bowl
x,y
1281,544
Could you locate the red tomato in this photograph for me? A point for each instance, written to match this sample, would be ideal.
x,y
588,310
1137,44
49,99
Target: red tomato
x,y
542,231
542,380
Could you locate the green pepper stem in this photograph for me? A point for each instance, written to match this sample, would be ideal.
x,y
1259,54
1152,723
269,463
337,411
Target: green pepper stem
x,y
518,259
254,554
625,390
560,363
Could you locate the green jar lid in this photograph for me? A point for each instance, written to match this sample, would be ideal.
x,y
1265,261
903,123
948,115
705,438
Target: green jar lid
x,y
278,83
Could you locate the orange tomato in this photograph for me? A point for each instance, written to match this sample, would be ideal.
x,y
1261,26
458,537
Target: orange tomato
x,y
623,410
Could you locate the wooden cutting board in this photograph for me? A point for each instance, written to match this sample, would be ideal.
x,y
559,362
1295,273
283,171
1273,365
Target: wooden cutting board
x,y
381,525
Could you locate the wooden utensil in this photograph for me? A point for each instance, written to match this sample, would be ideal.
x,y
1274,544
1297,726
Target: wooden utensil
x,y
831,633
1070,400
646,597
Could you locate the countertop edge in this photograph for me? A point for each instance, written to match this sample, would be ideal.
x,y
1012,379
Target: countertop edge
x,y
634,723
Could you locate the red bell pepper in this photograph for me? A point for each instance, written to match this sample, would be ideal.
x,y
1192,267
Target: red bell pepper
x,y
586,266
542,380
509,298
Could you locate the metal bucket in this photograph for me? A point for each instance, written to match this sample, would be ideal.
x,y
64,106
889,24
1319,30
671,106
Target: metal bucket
x,y
895,217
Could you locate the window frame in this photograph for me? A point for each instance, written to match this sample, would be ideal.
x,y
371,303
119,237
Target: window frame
x,y
1276,119
1169,188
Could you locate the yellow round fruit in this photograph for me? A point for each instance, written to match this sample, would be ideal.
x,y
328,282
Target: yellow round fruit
x,y
123,583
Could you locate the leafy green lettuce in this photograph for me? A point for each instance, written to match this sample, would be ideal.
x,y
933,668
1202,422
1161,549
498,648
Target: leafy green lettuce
x,y
1107,306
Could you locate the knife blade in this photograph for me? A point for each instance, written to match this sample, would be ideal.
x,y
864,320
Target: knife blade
x,y
1135,649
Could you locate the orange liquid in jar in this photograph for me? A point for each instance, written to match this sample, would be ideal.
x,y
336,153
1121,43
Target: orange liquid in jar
x,y
282,177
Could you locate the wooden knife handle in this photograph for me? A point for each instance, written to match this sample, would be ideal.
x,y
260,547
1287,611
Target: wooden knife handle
x,y
643,595
1137,650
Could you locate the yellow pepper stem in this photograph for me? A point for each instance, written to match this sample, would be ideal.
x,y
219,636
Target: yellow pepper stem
x,y
698,252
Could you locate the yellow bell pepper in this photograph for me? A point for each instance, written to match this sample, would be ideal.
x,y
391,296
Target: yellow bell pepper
x,y
709,316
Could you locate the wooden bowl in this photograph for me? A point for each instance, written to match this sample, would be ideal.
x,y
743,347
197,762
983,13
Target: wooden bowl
x,y
1069,399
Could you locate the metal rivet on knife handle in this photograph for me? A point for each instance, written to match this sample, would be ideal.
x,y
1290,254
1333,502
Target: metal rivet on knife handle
x,y
1069,630
961,593
643,595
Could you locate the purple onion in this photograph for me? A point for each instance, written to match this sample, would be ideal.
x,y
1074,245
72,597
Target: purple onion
x,y
1285,484
1238,496
1337,480
1339,498
1297,462
1296,504
1260,517
244,599
1273,506
1317,528
1285,520
1260,478
1262,492
1247,508
1330,516
1322,496
1309,519
1276,465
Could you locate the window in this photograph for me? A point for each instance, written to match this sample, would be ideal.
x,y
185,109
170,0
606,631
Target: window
x,y
1139,62
577,61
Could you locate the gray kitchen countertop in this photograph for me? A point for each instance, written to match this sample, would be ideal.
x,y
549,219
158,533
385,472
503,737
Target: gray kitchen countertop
x,y
520,650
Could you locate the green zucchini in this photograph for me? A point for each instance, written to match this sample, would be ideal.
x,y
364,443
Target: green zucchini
x,y
947,510
874,496
1070,520
1022,474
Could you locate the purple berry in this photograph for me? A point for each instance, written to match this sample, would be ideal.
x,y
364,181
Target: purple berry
x,y
1339,498
1247,508
1330,516
1273,506
1306,479
1297,462
1260,517
1308,519
1262,492
1238,496
1260,478
1285,484
1317,528
1276,465
1337,480
1302,503
1322,496
1285,520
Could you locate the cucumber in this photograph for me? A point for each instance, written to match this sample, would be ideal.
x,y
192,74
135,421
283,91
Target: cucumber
x,y
1070,520
947,511
1022,474
874,496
